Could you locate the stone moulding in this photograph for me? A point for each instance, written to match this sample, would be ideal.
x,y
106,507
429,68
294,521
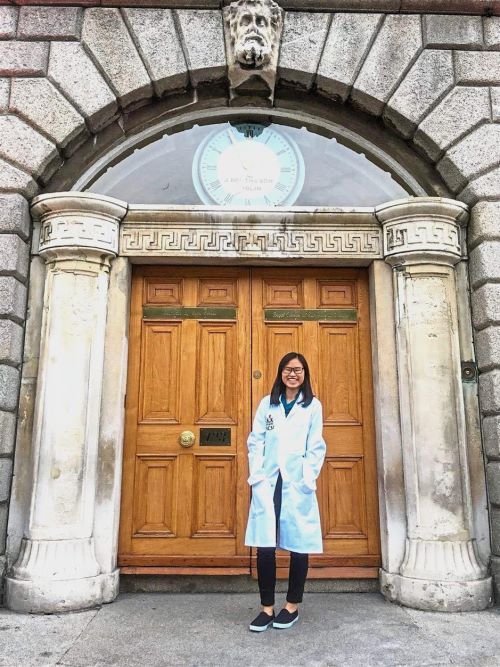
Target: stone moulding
x,y
309,236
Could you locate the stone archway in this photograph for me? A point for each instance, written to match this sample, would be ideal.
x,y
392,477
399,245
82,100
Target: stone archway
x,y
51,112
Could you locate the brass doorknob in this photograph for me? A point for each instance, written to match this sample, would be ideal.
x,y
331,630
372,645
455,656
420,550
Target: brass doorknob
x,y
257,375
187,438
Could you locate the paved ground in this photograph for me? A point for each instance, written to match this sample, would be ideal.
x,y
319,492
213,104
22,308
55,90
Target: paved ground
x,y
335,629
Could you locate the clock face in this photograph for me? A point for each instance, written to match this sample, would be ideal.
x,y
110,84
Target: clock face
x,y
248,164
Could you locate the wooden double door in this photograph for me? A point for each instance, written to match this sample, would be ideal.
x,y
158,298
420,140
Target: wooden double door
x,y
203,350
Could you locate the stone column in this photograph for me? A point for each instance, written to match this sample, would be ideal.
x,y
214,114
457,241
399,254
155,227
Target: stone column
x,y
441,569
57,569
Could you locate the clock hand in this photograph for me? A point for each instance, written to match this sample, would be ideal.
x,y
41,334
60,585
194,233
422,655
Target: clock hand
x,y
235,141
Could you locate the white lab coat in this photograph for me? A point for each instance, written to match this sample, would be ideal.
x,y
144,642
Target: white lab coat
x,y
293,445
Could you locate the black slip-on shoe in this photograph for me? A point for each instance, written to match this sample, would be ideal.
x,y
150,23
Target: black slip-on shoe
x,y
285,619
262,622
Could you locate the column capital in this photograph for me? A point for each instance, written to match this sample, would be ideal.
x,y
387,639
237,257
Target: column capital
x,y
422,230
73,221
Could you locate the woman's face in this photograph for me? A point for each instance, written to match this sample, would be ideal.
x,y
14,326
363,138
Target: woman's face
x,y
293,374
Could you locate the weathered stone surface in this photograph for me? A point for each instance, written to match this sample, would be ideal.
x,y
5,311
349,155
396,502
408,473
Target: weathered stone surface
x,y
22,145
42,104
4,94
49,23
106,35
447,122
476,152
484,264
495,532
11,342
483,187
491,436
78,78
488,348
489,391
14,215
493,481
428,79
9,385
8,22
207,56
3,526
453,31
395,47
157,41
7,432
495,104
5,479
14,254
486,305
13,179
484,224
346,46
23,58
491,25
473,67
12,298
302,43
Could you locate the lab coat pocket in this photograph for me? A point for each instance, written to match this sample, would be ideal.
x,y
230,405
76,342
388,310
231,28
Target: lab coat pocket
x,y
261,497
303,488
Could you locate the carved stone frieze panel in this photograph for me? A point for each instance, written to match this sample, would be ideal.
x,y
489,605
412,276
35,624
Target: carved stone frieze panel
x,y
419,228
240,239
80,220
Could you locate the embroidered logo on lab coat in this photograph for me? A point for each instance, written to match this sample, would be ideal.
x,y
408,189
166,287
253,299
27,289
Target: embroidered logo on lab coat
x,y
269,423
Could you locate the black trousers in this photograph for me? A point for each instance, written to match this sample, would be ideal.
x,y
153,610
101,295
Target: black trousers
x,y
266,564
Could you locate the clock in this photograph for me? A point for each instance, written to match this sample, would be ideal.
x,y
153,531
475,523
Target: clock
x,y
248,164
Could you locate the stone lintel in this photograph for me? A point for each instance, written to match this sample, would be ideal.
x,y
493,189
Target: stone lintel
x,y
307,235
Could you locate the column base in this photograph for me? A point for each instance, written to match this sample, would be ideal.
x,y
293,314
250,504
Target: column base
x,y
434,595
49,596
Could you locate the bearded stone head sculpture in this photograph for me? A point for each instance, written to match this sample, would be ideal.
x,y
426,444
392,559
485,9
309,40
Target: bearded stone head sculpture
x,y
254,28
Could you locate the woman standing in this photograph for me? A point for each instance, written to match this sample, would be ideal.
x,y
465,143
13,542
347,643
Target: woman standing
x,y
285,453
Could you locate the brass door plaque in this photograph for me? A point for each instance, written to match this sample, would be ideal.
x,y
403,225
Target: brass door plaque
x,y
315,314
215,436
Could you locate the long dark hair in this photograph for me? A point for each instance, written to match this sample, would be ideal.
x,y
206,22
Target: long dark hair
x,y
279,387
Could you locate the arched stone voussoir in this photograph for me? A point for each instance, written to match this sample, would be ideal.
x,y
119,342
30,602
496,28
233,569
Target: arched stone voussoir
x,y
23,147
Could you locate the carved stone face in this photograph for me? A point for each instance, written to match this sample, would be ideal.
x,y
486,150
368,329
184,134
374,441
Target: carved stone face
x,y
253,25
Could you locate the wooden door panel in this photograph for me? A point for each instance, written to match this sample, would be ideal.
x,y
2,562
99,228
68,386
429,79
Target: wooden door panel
x,y
216,372
164,292
284,293
339,374
154,500
344,498
214,483
213,292
160,373
335,293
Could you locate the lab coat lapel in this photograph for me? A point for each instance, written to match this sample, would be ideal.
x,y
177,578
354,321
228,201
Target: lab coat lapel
x,y
296,406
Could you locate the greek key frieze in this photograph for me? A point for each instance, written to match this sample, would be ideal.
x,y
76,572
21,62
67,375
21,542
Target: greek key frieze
x,y
427,234
217,242
79,232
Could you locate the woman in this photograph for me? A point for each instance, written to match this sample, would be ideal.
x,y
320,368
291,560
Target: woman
x,y
285,453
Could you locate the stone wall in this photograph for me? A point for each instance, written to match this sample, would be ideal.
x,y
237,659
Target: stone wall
x,y
67,72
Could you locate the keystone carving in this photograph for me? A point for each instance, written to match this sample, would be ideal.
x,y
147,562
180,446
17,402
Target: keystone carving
x,y
252,31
